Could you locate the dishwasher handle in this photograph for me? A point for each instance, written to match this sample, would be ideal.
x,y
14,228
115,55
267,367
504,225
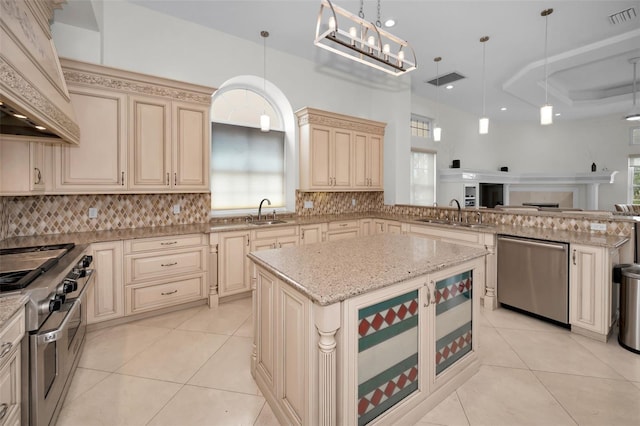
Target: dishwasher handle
x,y
557,246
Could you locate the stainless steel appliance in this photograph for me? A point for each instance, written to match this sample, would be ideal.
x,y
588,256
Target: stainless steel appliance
x,y
533,276
56,279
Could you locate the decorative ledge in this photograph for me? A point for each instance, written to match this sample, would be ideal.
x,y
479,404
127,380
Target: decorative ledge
x,y
488,176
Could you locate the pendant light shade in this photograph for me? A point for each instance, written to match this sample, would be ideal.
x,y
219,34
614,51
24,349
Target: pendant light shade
x,y
437,131
546,112
483,123
265,121
634,114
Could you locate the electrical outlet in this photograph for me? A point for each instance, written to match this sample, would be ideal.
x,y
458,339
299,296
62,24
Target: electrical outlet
x,y
176,209
93,212
308,204
599,227
353,201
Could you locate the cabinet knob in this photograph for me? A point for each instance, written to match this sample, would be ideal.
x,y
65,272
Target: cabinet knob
x,y
38,176
6,348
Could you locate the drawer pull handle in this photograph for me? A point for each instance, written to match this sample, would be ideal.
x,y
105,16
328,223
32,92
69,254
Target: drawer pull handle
x,y
5,348
169,264
38,176
344,224
169,243
169,292
4,407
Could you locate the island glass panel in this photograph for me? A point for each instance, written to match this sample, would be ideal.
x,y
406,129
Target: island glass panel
x,y
387,354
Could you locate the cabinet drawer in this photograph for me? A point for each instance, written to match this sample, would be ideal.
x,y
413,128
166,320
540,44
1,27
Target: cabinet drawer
x,y
149,266
161,294
164,243
276,232
343,224
11,335
10,385
473,238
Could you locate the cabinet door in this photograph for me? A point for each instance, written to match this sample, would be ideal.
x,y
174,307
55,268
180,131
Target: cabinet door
x,y
191,144
366,227
15,170
105,297
394,227
99,162
320,161
361,177
367,161
342,234
291,241
375,161
149,143
10,379
38,166
232,263
265,244
341,159
587,298
310,234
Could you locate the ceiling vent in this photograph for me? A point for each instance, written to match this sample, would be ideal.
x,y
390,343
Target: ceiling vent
x,y
623,16
446,79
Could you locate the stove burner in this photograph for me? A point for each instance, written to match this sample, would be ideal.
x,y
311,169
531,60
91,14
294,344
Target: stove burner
x,y
14,277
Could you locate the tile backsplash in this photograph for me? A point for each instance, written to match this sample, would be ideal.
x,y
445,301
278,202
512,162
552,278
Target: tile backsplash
x,y
53,214
338,202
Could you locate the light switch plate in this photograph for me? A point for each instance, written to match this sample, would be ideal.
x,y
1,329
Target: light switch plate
x,y
93,212
353,201
176,209
308,204
599,227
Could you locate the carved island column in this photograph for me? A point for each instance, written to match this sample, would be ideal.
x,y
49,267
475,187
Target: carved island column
x,y
327,321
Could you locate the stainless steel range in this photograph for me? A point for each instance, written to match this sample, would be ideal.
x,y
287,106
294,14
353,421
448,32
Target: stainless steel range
x,y
56,278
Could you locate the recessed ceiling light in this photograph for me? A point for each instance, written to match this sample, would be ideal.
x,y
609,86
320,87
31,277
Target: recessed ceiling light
x,y
41,128
390,22
449,87
19,116
503,109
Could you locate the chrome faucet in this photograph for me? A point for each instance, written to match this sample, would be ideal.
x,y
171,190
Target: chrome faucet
x,y
260,208
459,210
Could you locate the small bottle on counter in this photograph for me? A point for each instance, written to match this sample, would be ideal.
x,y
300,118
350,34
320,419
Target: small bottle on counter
x,y
593,167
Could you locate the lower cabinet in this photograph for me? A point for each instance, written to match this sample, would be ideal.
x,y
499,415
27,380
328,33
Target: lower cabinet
x,y
278,237
592,299
381,226
233,266
10,364
342,230
164,293
310,234
105,297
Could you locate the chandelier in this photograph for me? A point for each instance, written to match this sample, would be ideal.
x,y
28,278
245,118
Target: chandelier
x,y
348,35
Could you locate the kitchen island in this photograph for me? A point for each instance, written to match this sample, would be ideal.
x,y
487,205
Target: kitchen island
x,y
373,329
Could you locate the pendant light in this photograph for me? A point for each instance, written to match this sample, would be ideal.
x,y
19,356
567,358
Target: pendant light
x,y
265,121
483,124
546,112
437,131
634,114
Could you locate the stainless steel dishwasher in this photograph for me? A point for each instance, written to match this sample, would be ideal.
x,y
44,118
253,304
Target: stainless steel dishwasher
x,y
533,276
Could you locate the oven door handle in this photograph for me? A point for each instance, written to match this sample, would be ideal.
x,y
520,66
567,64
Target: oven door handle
x,y
53,335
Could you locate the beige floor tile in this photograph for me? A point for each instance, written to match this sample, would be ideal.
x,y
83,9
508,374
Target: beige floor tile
x,y
482,319
625,362
118,400
83,380
225,319
449,412
110,348
505,318
174,357
202,406
637,384
229,368
170,320
508,396
266,417
246,329
556,353
494,350
595,401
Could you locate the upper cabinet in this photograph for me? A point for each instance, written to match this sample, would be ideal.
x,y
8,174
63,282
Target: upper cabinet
x,y
139,133
339,152
23,166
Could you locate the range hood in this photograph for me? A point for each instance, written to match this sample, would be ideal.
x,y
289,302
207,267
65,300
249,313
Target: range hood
x,y
34,98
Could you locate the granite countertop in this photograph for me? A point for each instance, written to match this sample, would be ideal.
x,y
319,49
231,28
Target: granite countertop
x,y
338,270
10,304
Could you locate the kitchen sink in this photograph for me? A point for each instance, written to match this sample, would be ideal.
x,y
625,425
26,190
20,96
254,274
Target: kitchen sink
x,y
438,221
446,222
267,222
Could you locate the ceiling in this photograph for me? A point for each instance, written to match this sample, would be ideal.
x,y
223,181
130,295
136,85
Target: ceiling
x,y
588,55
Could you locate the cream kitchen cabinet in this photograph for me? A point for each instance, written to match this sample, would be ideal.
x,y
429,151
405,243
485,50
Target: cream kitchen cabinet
x,y
366,227
368,161
272,238
165,271
592,301
24,166
382,226
105,297
233,265
10,368
339,152
140,133
310,234
343,229
167,145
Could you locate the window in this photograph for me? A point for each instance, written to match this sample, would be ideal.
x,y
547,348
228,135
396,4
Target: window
x,y
423,177
634,180
247,165
420,126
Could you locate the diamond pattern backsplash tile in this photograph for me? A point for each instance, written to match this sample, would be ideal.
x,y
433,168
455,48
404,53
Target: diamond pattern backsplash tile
x,y
53,214
338,202
4,222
